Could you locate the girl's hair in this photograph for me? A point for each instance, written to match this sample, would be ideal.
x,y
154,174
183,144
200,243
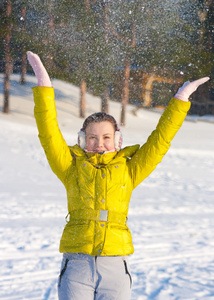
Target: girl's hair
x,y
100,117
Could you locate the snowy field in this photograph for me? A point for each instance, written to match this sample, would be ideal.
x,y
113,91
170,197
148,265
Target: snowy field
x,y
171,213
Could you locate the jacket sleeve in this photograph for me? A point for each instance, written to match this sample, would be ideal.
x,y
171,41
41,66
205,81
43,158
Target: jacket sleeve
x,y
145,160
52,141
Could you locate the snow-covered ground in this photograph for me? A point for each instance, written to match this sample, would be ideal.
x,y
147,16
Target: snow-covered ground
x,y
171,213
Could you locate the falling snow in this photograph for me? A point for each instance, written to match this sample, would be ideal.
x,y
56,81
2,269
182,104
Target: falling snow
x,y
171,212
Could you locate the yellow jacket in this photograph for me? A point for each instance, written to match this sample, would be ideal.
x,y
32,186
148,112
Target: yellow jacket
x,y
99,186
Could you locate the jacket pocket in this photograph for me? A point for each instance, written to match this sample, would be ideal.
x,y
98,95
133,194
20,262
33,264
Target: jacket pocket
x,y
118,227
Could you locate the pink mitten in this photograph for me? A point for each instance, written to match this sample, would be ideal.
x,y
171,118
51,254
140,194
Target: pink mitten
x,y
188,88
39,70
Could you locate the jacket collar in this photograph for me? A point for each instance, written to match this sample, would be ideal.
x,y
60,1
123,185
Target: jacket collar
x,y
105,158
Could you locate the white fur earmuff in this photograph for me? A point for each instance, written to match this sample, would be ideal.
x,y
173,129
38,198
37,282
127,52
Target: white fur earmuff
x,y
118,139
81,139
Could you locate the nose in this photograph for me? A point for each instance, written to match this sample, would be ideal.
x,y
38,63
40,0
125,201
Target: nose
x,y
99,143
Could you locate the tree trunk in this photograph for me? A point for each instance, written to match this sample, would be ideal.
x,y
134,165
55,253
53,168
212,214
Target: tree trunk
x,y
7,70
87,4
210,27
125,92
105,100
105,95
24,56
50,47
82,98
24,66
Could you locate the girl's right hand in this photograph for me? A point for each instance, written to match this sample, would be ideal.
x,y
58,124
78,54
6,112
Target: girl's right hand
x,y
39,70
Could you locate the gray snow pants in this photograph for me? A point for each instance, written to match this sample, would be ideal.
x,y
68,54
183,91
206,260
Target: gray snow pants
x,y
85,277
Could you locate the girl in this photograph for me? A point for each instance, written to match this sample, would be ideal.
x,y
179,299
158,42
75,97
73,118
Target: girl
x,y
99,178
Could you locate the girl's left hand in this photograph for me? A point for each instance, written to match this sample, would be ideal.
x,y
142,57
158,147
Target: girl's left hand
x,y
188,88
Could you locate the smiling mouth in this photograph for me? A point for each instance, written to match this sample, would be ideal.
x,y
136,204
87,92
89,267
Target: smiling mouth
x,y
99,151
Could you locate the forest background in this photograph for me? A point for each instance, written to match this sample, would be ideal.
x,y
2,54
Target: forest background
x,y
132,51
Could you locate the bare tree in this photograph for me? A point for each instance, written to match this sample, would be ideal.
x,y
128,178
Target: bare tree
x,y
51,31
125,92
83,84
101,14
82,98
23,50
131,44
105,94
8,64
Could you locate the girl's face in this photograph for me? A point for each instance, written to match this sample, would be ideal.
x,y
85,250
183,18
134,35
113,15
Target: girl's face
x,y
100,137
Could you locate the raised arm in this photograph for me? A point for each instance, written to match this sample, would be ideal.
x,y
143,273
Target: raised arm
x,y
151,153
52,141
